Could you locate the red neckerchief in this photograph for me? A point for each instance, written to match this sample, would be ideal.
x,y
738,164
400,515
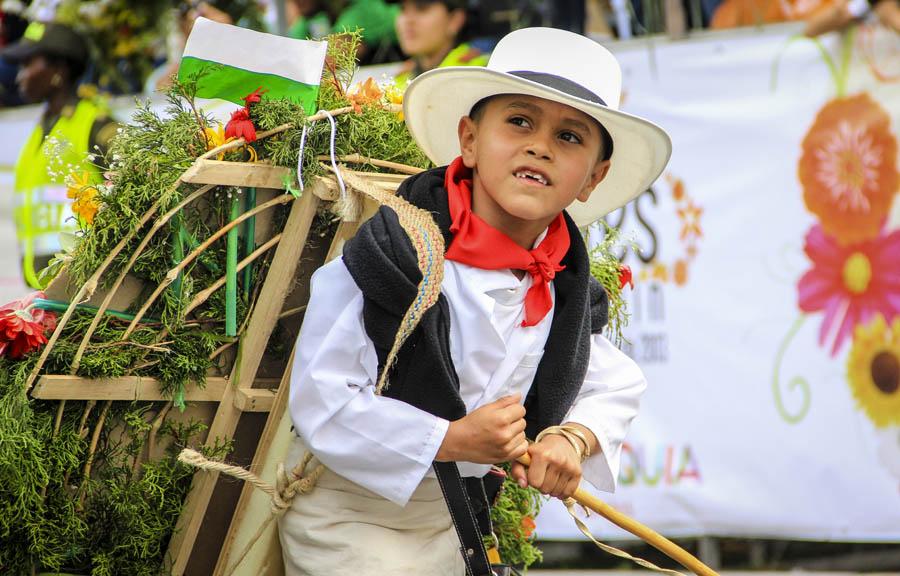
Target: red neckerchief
x,y
478,244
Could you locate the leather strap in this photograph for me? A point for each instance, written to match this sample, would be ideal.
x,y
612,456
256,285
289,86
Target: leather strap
x,y
464,520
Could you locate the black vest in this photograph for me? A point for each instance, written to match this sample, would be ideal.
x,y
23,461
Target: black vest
x,y
383,264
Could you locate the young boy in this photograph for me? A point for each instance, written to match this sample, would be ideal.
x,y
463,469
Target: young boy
x,y
512,350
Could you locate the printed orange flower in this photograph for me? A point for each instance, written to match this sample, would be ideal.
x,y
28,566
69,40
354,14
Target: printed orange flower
x,y
690,220
848,168
850,284
680,273
23,328
86,196
873,371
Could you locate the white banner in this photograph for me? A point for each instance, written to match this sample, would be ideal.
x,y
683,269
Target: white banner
x,y
751,426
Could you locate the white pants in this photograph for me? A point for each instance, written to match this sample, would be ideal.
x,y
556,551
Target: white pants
x,y
341,528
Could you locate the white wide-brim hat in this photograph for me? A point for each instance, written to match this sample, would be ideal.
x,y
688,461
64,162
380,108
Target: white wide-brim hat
x,y
557,65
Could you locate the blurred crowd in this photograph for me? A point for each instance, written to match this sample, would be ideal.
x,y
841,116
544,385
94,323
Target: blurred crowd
x,y
135,46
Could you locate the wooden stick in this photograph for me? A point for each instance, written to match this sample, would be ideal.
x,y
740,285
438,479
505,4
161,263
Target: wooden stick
x,y
359,159
645,533
201,296
157,225
173,273
95,438
278,129
88,288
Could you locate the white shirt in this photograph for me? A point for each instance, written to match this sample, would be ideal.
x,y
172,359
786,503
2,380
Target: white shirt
x,y
387,445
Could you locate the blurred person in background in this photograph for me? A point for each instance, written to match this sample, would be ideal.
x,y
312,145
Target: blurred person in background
x,y
186,12
12,26
308,19
51,59
376,20
842,14
432,34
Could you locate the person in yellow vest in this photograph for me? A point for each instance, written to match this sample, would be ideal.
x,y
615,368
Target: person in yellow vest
x,y
430,33
51,58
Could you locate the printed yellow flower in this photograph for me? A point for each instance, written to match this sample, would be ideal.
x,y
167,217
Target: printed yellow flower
x,y
873,370
215,137
85,195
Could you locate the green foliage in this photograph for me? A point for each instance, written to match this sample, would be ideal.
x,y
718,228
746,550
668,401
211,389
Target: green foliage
x,y
606,268
512,516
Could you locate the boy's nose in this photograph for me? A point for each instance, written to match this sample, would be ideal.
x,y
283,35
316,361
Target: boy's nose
x,y
539,148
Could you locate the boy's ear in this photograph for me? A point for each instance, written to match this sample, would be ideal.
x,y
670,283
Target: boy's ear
x,y
467,130
601,169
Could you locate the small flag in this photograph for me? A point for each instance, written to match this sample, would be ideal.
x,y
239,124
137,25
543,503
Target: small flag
x,y
236,61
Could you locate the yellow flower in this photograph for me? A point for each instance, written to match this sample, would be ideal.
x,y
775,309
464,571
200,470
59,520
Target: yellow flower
x,y
873,370
395,96
85,194
215,137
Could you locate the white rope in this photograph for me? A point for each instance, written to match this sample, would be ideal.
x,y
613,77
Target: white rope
x,y
332,147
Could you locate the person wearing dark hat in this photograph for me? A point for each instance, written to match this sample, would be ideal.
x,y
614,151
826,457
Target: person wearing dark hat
x,y
51,58
430,33
530,149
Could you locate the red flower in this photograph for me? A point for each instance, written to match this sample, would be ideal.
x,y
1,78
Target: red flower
x,y
22,328
240,126
253,97
850,283
625,276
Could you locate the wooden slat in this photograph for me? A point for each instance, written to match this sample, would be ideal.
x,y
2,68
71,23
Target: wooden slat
x,y
250,352
243,174
58,387
274,442
254,399
131,388
276,439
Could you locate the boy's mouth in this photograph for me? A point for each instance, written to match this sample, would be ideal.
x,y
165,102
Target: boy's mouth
x,y
532,176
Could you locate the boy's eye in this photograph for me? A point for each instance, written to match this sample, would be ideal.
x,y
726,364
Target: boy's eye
x,y
519,121
571,137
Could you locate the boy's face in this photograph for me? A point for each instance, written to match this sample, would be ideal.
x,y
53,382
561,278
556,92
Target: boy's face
x,y
531,158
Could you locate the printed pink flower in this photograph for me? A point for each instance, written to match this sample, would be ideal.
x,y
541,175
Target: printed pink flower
x,y
23,328
850,283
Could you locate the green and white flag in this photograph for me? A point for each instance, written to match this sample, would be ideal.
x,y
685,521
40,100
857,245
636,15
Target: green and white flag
x,y
236,61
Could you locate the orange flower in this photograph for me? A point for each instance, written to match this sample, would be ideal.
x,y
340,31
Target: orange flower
x,y
366,93
85,194
528,526
848,168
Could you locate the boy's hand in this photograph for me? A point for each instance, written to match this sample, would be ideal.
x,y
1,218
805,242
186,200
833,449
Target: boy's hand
x,y
493,433
555,468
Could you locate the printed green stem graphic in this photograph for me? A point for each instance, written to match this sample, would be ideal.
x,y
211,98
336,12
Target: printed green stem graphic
x,y
838,73
793,383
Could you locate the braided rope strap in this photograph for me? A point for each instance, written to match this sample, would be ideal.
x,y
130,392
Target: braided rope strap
x,y
428,243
